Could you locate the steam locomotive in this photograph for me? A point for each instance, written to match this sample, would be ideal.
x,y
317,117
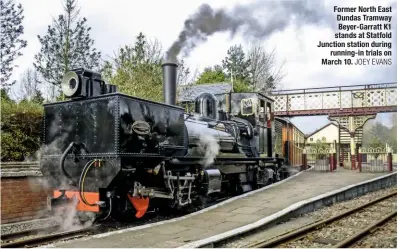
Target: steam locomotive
x,y
110,153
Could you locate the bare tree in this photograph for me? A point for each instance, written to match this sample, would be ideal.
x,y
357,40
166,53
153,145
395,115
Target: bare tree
x,y
29,84
185,89
265,75
184,74
153,51
187,80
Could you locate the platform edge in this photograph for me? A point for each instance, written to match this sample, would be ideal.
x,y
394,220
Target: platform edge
x,y
293,208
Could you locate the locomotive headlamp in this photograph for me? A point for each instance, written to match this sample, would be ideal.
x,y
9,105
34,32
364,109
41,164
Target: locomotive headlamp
x,y
70,84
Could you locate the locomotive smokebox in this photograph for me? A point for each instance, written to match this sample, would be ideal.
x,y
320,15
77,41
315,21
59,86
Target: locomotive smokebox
x,y
170,82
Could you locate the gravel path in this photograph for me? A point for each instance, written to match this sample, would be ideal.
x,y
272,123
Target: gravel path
x,y
333,235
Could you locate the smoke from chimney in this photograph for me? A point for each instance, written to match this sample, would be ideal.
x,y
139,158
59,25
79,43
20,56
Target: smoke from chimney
x,y
279,14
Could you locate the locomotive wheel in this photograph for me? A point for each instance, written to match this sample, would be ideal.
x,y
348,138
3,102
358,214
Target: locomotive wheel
x,y
199,203
284,172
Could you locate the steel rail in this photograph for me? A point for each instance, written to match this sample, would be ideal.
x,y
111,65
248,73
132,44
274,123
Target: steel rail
x,y
315,226
36,241
354,238
11,236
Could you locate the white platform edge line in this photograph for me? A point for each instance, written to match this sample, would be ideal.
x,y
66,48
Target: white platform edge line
x,y
274,216
102,235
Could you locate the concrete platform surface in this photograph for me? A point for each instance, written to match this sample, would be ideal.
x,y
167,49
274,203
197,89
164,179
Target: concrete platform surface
x,y
231,215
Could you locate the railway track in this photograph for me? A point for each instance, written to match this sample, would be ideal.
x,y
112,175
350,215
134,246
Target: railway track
x,y
384,236
44,239
308,235
12,236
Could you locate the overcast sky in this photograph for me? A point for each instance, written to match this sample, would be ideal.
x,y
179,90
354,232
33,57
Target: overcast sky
x,y
117,22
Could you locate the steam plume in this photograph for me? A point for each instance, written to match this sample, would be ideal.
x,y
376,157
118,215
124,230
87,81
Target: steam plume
x,y
210,147
206,22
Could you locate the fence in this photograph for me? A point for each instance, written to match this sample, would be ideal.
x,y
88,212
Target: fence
x,y
320,159
375,159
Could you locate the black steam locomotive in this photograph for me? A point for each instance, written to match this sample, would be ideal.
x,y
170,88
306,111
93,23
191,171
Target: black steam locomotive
x,y
112,153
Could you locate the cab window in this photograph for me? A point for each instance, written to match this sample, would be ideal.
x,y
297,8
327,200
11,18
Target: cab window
x,y
247,106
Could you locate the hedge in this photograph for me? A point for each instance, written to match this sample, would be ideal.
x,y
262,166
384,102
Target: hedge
x,y
20,130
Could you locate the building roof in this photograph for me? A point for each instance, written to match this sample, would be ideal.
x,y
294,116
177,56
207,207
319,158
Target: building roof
x,y
190,92
323,127
287,121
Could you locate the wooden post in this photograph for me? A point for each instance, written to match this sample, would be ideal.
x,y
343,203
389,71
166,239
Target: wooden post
x,y
334,155
360,161
331,162
304,159
353,162
335,160
389,161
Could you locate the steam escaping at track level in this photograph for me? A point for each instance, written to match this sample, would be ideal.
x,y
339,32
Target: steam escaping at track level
x,y
207,21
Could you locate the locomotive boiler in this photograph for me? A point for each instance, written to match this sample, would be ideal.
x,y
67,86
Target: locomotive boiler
x,y
116,154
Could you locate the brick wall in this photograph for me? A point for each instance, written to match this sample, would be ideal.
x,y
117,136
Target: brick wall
x,y
22,198
23,195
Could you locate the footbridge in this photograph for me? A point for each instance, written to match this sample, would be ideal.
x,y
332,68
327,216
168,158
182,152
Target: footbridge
x,y
350,106
351,100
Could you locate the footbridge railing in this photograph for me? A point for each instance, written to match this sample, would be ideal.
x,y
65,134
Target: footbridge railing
x,y
336,101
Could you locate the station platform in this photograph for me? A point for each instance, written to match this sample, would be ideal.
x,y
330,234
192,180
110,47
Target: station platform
x,y
225,216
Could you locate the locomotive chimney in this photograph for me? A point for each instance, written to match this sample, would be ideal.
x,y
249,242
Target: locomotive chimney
x,y
170,82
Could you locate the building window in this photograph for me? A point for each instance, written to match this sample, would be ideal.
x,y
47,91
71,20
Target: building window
x,y
311,139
